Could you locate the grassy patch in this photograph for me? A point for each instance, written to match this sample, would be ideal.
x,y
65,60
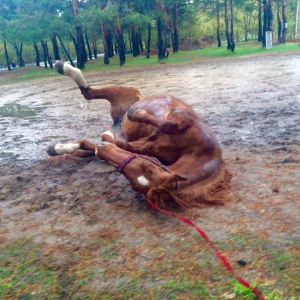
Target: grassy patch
x,y
242,49
23,274
107,268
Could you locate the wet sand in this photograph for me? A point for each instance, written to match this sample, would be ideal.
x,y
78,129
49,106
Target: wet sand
x,y
251,103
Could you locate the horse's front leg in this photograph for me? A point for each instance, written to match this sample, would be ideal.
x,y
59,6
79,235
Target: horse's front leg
x,y
141,146
82,148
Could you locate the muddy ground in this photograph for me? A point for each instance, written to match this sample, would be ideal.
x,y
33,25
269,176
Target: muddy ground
x,y
73,213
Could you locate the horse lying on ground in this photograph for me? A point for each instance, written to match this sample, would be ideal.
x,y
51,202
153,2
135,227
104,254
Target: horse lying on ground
x,y
159,143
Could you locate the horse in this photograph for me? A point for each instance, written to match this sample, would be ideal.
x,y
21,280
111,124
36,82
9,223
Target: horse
x,y
160,144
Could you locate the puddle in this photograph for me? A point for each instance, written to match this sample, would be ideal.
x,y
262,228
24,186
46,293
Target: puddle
x,y
15,110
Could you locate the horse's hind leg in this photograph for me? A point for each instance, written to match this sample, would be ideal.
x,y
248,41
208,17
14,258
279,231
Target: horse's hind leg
x,y
136,114
82,148
167,126
72,72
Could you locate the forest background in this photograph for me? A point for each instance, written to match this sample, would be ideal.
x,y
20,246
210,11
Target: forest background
x,y
34,32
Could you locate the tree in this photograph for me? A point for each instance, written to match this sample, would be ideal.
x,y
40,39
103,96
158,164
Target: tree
x,y
229,29
79,44
218,24
268,18
296,18
284,21
6,56
260,34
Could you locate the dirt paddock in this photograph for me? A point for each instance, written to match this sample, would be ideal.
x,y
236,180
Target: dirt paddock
x,y
98,238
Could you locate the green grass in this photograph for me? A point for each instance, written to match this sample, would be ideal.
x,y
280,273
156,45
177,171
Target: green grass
x,y
105,268
242,49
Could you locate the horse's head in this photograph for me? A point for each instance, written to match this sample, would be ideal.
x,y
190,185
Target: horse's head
x,y
145,174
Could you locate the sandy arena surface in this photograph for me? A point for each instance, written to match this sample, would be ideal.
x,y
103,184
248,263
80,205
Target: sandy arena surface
x,y
251,103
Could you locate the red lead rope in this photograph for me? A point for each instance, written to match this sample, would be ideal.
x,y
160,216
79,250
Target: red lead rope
x,y
221,257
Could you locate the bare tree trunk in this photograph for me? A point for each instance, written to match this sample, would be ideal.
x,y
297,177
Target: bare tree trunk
x,y
268,18
120,40
174,23
45,54
134,41
218,24
65,50
260,29
296,18
80,49
55,48
19,53
148,41
140,41
6,56
88,45
110,44
79,45
231,27
94,43
37,55
160,42
229,46
47,57
105,48
284,21
279,24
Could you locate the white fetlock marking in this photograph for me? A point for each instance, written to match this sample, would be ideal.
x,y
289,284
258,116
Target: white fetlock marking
x,y
66,148
108,133
143,180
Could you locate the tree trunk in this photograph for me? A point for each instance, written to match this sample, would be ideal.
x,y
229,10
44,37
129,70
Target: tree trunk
x,y
134,41
296,19
19,53
231,27
80,49
175,35
121,44
284,21
6,57
37,55
45,54
279,24
148,41
260,29
94,43
88,45
229,46
73,39
218,24
160,42
47,57
55,47
268,19
167,31
65,50
141,48
110,43
105,48
265,23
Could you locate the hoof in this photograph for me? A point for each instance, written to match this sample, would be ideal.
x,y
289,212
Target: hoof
x,y
51,150
59,67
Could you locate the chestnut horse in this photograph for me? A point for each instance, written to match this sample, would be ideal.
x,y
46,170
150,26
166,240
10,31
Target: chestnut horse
x,y
159,143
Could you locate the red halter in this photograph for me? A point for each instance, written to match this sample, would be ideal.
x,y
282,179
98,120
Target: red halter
x,y
154,160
